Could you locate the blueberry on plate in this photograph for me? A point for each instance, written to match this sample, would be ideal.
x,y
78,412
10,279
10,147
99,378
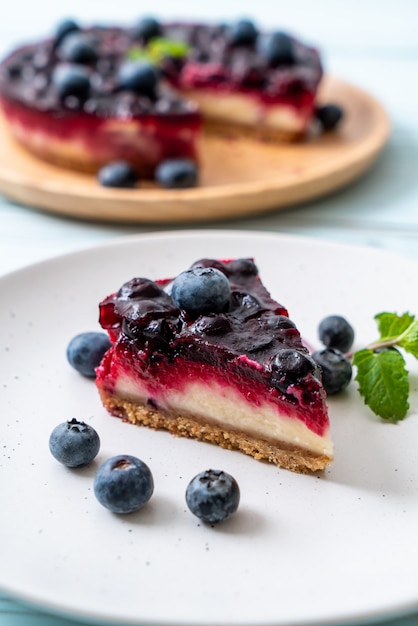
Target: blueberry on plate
x,y
74,443
148,28
201,290
213,496
71,79
335,332
336,369
177,173
118,174
86,350
329,116
140,77
123,484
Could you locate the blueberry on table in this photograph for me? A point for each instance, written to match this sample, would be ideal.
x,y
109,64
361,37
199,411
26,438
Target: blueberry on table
x,y
329,116
140,77
123,484
213,496
71,79
201,290
148,28
118,174
335,332
336,369
86,350
177,173
243,33
74,443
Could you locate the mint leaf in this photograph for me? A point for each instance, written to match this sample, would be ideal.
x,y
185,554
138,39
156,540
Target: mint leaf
x,y
383,382
409,339
136,53
391,325
161,47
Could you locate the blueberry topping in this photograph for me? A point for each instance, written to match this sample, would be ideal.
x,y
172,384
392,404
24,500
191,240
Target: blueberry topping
x,y
277,49
71,80
123,484
65,28
140,288
118,174
213,496
140,77
148,28
210,263
86,350
336,369
213,325
76,48
177,173
243,33
329,116
335,332
201,290
289,366
246,267
74,443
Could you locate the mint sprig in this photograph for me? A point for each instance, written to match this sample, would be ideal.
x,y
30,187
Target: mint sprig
x,y
157,49
381,368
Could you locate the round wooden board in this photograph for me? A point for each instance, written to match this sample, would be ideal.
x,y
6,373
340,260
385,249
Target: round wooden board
x,y
239,176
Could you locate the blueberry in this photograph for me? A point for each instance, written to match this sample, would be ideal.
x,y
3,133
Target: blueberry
x,y
277,49
64,28
123,484
138,76
76,48
213,496
86,350
118,174
177,173
74,443
201,290
336,369
335,332
243,33
71,80
329,116
288,366
148,28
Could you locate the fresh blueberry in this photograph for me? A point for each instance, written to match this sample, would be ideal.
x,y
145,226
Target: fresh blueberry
x,y
86,350
123,484
76,48
148,28
201,290
63,29
243,33
336,369
335,332
277,49
118,174
213,496
74,443
71,80
329,116
138,76
288,366
177,173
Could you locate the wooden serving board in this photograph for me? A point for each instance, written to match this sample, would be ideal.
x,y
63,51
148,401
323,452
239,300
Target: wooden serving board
x,y
239,176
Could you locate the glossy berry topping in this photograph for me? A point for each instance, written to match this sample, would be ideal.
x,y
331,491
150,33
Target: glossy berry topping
x,y
213,496
335,332
201,290
118,174
336,369
138,76
76,48
329,116
242,33
278,49
288,366
177,174
74,443
86,350
123,484
148,28
71,80
64,28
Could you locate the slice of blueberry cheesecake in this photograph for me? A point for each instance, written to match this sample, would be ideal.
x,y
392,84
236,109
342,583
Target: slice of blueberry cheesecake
x,y
211,356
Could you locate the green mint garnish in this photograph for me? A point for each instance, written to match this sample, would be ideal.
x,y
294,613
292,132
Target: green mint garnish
x,y
381,369
157,49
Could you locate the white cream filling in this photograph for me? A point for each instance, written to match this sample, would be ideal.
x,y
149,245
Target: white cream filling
x,y
225,407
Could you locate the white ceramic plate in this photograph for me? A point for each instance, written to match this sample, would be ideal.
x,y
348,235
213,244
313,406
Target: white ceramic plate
x,y
301,550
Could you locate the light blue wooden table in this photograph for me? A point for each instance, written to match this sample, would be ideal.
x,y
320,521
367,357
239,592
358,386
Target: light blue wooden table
x,y
371,43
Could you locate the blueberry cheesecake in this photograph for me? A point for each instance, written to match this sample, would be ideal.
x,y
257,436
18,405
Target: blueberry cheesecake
x,y
211,356
89,96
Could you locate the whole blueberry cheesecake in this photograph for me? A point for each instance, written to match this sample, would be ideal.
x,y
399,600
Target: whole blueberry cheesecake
x,y
211,356
85,97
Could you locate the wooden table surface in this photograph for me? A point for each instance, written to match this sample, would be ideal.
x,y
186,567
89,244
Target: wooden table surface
x,y
372,44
